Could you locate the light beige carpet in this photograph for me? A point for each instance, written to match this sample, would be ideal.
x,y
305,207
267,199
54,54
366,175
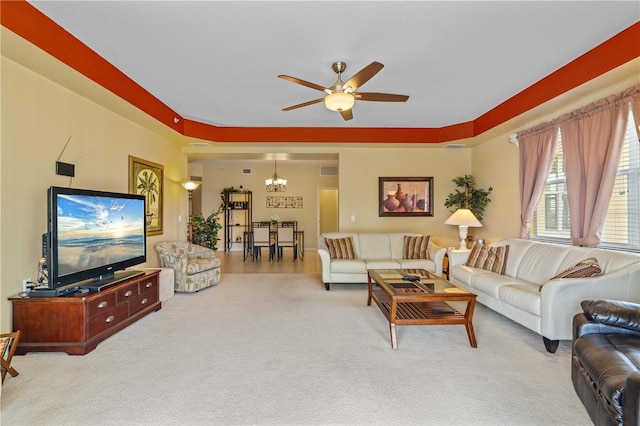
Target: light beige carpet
x,y
280,349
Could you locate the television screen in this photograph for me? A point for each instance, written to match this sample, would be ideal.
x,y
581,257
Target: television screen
x,y
93,234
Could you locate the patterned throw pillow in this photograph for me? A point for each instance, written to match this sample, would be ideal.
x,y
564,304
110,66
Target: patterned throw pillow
x,y
341,248
583,269
416,247
492,259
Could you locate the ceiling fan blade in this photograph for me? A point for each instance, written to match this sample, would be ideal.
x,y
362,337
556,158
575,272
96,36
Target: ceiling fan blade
x,y
347,114
380,97
362,76
303,83
304,104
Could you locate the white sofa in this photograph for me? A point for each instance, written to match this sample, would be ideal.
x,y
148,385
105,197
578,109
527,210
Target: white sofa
x,y
374,251
527,293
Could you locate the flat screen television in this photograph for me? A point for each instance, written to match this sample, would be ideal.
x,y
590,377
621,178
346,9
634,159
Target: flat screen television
x,y
92,237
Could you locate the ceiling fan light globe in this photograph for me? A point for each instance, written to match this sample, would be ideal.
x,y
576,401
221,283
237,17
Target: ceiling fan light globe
x,y
339,101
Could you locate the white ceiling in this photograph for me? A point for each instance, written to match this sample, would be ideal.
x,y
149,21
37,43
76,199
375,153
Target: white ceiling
x,y
217,61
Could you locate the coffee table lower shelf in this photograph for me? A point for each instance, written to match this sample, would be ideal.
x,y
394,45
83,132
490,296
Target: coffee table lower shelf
x,y
422,313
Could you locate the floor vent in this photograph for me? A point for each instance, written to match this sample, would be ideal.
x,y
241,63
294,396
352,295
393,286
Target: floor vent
x,y
328,171
246,171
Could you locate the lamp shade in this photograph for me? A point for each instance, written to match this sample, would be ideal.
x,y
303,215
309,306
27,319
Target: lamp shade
x,y
463,217
190,185
339,101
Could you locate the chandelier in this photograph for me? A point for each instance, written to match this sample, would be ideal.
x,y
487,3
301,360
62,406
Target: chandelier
x,y
275,184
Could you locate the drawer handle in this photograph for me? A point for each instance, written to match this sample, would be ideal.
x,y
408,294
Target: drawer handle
x,y
102,304
128,293
144,301
149,285
110,318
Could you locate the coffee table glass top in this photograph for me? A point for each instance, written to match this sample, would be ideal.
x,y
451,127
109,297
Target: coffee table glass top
x,y
426,283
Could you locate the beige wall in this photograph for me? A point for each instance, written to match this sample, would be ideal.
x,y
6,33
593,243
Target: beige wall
x,y
38,117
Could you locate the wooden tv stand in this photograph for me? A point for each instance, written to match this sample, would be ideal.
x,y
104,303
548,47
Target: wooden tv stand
x,y
77,323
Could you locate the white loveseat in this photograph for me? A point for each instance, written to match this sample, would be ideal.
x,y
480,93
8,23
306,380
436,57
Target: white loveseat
x,y
373,251
528,294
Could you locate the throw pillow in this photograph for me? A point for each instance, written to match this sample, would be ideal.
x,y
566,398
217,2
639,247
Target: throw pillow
x,y
583,269
476,251
616,313
492,259
341,248
416,247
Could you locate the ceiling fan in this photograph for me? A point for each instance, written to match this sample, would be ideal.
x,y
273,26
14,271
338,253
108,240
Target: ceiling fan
x,y
341,96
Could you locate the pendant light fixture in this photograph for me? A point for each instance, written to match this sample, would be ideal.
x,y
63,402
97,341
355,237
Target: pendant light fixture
x,y
275,184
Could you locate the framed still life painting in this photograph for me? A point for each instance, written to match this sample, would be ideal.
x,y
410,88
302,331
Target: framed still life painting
x,y
405,196
146,178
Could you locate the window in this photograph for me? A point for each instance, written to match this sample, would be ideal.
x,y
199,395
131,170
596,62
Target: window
x,y
622,225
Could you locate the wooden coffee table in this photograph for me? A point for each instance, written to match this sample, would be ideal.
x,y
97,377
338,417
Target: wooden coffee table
x,y
422,302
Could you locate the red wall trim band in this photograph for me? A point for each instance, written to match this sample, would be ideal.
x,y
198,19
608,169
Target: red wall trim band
x,y
29,23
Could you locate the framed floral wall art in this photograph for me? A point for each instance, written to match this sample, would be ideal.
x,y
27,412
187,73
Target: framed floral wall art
x,y
146,178
405,196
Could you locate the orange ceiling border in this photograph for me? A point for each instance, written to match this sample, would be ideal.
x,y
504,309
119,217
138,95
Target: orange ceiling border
x,y
29,23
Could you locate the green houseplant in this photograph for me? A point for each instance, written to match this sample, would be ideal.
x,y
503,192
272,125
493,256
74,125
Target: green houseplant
x,y
467,196
205,229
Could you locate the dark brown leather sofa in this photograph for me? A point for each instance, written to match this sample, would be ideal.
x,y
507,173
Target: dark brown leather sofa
x,y
606,358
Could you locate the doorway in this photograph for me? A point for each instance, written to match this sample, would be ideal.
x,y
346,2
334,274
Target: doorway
x,y
328,215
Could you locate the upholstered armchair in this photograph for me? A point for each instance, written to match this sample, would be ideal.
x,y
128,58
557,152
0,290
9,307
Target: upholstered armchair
x,y
196,267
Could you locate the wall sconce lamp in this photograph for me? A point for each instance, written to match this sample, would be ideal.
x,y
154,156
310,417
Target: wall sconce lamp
x,y
190,186
464,219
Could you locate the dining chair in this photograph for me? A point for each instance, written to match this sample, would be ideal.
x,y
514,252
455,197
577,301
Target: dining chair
x,y
286,238
262,237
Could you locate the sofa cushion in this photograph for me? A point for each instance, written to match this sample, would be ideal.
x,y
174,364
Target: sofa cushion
x,y
492,259
522,295
537,262
341,248
382,264
427,264
195,266
416,247
489,282
607,360
583,269
613,312
375,245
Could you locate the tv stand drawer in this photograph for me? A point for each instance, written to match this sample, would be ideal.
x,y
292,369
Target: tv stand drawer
x,y
107,319
105,302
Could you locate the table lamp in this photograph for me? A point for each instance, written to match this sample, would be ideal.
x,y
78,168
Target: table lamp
x,y
464,219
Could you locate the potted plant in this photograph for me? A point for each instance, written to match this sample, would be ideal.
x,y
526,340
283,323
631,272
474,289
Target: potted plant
x,y
467,196
204,231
